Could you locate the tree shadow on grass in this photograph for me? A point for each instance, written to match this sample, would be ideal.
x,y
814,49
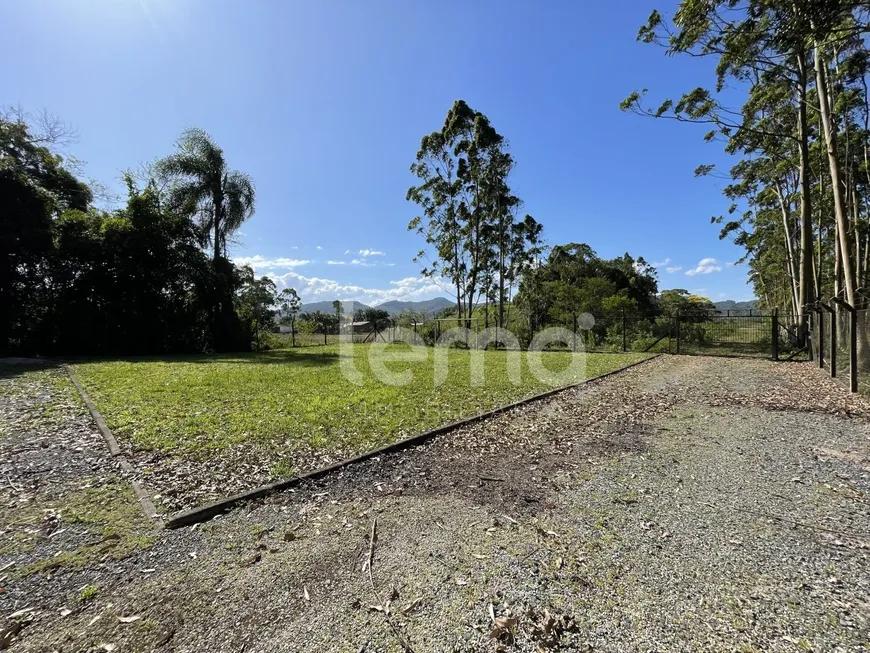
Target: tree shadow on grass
x,y
13,367
295,358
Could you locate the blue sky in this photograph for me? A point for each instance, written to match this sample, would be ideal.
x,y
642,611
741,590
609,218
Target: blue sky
x,y
324,103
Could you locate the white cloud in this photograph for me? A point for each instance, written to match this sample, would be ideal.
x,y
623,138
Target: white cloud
x,y
660,264
261,263
319,247
674,268
347,251
313,289
705,266
355,261
370,252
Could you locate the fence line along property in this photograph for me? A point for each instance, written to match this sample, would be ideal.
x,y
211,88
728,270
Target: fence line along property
x,y
839,335
734,333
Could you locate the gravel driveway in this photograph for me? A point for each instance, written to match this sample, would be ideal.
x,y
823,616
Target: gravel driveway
x,y
687,504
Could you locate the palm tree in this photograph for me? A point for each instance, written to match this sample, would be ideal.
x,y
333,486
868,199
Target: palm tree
x,y
221,199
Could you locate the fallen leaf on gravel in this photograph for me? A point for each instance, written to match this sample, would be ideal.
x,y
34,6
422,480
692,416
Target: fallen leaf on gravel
x,y
305,593
108,647
510,519
461,581
478,556
559,562
502,625
736,542
412,605
131,619
95,620
65,612
148,571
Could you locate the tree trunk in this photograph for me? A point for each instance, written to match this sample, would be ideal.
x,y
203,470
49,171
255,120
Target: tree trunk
x,y
501,269
789,248
838,260
805,294
218,200
858,259
821,208
830,131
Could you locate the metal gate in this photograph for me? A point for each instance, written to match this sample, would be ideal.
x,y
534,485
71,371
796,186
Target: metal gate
x,y
743,334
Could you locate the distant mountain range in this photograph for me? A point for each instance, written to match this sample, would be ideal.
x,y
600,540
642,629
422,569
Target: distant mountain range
x,y
430,306
326,307
394,307
731,305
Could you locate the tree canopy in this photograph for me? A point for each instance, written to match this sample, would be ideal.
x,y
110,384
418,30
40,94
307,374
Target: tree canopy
x,y
77,279
575,280
799,194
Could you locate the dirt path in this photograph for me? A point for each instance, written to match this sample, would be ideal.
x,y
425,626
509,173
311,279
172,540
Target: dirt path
x,y
688,504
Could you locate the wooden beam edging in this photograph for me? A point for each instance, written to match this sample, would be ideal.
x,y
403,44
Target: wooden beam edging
x,y
115,452
209,510
105,431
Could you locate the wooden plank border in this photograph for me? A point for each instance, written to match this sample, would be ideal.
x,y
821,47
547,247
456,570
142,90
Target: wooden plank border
x,y
115,452
209,510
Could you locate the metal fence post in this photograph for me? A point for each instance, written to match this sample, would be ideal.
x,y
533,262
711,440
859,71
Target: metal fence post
x,y
774,333
821,331
853,341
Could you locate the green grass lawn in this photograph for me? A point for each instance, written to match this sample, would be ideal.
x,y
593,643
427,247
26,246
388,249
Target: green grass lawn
x,y
192,405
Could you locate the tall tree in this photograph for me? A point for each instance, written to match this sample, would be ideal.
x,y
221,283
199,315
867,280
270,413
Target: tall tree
x,y
35,188
221,198
468,210
803,67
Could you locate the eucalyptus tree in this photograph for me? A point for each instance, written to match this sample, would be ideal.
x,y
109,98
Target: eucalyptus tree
x,y
468,210
753,48
803,68
221,199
